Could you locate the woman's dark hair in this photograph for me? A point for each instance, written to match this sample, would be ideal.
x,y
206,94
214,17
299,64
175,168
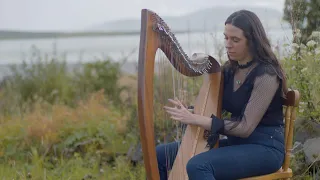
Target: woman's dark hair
x,y
258,43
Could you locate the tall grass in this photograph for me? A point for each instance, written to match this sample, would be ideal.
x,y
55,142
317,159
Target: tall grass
x,y
57,123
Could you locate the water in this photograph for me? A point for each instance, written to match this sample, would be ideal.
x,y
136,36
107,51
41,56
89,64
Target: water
x,y
86,49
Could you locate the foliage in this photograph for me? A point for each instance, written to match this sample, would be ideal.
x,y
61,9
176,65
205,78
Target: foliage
x,y
59,124
100,75
302,68
301,170
47,80
53,81
91,137
303,15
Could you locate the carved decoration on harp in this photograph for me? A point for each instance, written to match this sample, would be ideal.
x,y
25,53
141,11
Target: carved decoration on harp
x,y
155,34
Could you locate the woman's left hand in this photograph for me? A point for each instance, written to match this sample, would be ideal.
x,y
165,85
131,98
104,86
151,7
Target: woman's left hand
x,y
180,112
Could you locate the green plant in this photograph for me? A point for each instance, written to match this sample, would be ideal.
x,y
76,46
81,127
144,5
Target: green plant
x,y
302,68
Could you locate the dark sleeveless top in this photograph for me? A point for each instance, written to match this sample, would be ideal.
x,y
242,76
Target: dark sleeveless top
x,y
235,101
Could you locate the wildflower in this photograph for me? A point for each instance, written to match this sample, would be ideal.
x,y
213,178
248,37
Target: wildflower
x,y
303,47
295,46
304,69
315,34
311,43
302,103
317,51
301,110
298,33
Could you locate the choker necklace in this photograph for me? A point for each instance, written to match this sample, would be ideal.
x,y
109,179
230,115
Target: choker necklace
x,y
248,64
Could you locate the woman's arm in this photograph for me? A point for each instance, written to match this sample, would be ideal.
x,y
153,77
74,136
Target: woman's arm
x,y
264,89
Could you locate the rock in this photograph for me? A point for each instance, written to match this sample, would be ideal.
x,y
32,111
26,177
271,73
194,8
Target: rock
x,y
312,150
306,129
135,153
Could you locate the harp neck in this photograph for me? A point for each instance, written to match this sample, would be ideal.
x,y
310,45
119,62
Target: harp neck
x,y
155,34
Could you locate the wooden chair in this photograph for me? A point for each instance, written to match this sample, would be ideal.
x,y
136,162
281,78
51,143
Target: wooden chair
x,y
291,104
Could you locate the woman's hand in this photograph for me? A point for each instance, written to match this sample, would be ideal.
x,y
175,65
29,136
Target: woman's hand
x,y
182,114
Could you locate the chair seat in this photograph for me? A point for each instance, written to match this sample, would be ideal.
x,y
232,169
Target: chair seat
x,y
277,175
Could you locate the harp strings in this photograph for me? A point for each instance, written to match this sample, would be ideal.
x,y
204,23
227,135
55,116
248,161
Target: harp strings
x,y
170,83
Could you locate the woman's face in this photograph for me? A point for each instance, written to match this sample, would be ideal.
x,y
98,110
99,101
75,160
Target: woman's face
x,y
236,43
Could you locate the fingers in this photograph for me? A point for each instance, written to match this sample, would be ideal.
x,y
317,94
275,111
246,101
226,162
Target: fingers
x,y
173,110
176,118
170,108
176,102
180,109
176,113
173,102
179,102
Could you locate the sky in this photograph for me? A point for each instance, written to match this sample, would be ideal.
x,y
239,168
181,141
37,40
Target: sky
x,y
65,15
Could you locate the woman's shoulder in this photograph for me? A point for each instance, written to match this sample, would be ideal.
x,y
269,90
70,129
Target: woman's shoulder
x,y
266,69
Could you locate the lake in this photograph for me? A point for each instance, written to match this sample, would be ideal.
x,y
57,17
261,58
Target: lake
x,y
86,49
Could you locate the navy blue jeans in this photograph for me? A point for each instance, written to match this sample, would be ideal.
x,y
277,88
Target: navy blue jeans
x,y
261,153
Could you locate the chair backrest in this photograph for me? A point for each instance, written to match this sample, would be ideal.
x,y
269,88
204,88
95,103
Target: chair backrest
x,y
291,104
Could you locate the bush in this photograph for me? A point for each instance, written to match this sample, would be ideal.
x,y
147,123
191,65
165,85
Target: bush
x,y
92,136
302,67
59,122
53,81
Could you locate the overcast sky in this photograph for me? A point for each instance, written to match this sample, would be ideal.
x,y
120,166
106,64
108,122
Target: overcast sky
x,y
79,14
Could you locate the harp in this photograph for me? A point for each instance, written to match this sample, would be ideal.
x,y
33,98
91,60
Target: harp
x,y
155,34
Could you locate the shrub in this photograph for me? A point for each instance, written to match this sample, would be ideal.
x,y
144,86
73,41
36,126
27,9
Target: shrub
x,y
302,67
92,136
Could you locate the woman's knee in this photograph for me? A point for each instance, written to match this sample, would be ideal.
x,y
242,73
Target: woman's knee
x,y
160,152
192,166
195,166
166,153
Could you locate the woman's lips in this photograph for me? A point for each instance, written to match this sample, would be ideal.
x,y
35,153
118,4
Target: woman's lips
x,y
231,53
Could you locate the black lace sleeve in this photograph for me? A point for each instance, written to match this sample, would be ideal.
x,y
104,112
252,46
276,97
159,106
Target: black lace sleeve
x,y
264,88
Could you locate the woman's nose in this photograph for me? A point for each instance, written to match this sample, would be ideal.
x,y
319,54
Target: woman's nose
x,y
228,44
228,47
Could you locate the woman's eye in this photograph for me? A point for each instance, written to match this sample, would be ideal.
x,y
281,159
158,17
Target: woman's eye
x,y
235,39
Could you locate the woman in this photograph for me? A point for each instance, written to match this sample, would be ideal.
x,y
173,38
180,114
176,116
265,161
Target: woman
x,y
254,89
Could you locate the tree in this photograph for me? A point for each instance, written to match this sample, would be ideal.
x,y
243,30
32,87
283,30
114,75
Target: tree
x,y
303,15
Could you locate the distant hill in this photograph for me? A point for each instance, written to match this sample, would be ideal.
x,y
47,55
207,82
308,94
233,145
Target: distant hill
x,y
203,20
209,19
7,34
